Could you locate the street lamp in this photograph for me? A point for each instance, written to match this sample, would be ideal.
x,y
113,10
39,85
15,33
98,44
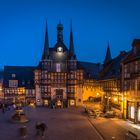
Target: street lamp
x,y
108,103
115,99
98,94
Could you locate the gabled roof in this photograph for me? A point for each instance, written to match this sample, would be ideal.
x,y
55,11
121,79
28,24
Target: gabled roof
x,y
24,75
91,69
113,68
131,57
134,54
58,44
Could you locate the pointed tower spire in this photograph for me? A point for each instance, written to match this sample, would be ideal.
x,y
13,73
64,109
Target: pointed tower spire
x,y
108,57
72,52
59,32
46,45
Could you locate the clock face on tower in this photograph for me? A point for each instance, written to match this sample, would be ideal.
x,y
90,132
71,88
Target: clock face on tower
x,y
59,49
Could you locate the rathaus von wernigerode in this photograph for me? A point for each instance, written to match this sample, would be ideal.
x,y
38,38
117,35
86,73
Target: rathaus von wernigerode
x,y
58,78
61,80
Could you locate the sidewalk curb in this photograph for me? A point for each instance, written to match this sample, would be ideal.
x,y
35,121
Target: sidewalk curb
x,y
96,130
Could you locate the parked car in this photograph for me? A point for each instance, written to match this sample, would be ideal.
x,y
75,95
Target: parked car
x,y
91,113
98,113
110,114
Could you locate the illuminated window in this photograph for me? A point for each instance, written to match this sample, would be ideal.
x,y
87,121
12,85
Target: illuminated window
x,y
13,83
139,114
46,102
72,102
132,112
72,75
58,67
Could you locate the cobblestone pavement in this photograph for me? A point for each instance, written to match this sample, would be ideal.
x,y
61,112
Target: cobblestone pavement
x,y
114,127
63,124
108,128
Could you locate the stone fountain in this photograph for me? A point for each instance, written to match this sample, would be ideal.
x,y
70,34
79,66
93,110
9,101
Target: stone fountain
x,y
19,115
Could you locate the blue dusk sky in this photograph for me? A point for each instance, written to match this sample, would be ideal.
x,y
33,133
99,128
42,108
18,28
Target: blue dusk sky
x,y
95,23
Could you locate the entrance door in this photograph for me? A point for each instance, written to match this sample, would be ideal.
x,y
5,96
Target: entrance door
x,y
59,94
59,97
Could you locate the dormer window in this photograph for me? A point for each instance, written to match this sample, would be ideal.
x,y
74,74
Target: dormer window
x,y
23,82
59,49
13,75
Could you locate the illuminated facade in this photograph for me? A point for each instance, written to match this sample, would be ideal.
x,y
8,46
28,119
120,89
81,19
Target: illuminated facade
x,y
92,91
56,81
131,83
19,84
61,80
58,78
110,79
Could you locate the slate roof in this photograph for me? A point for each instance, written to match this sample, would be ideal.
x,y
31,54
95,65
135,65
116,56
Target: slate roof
x,y
133,54
1,74
24,75
91,69
136,43
58,44
113,69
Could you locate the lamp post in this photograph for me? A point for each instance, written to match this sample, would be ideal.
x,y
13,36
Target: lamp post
x,y
108,103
